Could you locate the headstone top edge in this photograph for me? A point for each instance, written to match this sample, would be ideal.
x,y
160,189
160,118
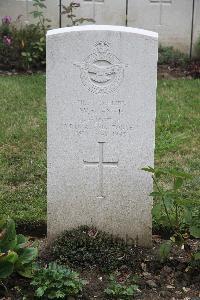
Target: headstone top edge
x,y
147,33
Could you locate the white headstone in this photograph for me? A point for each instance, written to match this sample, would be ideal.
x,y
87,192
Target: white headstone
x,y
101,102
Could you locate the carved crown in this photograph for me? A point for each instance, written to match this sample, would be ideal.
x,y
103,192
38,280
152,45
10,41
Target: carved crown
x,y
102,46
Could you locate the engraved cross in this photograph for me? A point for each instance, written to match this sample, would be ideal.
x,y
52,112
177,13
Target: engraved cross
x,y
101,163
161,3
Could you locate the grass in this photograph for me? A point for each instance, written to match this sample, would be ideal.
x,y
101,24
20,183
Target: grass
x,y
23,148
23,140
178,130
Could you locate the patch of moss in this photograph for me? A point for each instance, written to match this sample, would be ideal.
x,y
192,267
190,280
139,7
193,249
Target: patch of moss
x,y
86,247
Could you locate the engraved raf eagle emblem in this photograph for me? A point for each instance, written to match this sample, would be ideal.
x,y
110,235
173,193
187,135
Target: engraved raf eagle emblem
x,y
101,72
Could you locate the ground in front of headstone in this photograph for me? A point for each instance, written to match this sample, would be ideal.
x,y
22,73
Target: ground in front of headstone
x,y
170,280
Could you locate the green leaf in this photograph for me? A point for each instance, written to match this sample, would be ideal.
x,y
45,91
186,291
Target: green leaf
x,y
196,256
59,294
130,291
39,292
168,200
187,215
148,169
21,239
36,14
179,174
8,236
6,269
21,242
42,5
28,255
11,257
26,271
195,231
157,210
164,251
178,182
109,291
156,194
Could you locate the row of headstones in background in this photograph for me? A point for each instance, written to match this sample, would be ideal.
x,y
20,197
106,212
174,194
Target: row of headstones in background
x,y
172,19
101,109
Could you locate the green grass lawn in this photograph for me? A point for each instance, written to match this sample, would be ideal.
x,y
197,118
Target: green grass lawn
x,y
23,140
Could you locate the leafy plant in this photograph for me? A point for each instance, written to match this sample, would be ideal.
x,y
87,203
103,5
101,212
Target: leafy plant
x,y
38,13
36,54
69,11
170,207
84,246
195,261
17,253
57,282
22,46
171,56
123,290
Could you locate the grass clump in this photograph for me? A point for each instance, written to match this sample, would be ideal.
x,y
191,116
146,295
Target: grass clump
x,y
171,56
85,247
121,290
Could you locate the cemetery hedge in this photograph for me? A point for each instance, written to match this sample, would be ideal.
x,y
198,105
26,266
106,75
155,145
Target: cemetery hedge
x,y
23,141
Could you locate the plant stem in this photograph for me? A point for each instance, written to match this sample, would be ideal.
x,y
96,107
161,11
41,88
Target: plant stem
x,y
162,198
4,286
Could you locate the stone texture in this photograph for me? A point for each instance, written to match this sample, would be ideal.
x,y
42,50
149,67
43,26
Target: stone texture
x,y
104,11
196,35
101,104
15,8
172,19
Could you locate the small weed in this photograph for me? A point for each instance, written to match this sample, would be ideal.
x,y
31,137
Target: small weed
x,y
171,207
121,290
57,282
170,56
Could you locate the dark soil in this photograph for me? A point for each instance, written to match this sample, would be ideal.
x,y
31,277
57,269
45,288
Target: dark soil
x,y
37,229
171,280
190,70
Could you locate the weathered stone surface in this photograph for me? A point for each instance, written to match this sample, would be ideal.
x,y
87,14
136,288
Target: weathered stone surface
x,y
171,19
196,29
101,102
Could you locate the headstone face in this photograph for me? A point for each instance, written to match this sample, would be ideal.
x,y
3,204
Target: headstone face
x,y
101,105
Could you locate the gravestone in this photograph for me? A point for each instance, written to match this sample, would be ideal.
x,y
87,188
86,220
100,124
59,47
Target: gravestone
x,y
172,20
102,11
101,105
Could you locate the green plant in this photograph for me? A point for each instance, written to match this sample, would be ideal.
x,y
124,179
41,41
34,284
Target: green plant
x,y
195,261
22,46
170,207
57,282
38,13
17,253
197,48
171,56
122,290
69,11
36,54
84,246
